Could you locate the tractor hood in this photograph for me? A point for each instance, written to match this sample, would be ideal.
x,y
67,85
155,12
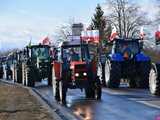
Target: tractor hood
x,y
75,64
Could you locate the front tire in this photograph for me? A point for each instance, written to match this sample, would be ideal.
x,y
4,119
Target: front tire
x,y
112,74
132,82
90,91
98,90
154,79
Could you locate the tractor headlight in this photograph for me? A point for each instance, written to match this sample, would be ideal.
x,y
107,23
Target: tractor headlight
x,y
84,74
77,74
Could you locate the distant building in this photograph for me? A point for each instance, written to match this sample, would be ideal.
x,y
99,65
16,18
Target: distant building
x,y
77,29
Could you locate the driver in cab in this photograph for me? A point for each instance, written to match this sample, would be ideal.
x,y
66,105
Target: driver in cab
x,y
74,55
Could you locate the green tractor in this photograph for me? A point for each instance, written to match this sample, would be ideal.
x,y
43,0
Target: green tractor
x,y
34,64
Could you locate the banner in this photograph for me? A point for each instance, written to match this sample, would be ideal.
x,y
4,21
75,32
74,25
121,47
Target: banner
x,y
90,36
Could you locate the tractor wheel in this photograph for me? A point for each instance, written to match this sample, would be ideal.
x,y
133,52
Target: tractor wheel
x,y
62,92
18,74
50,78
98,90
132,83
23,74
30,77
112,74
1,76
55,86
154,79
144,70
90,91
100,72
56,91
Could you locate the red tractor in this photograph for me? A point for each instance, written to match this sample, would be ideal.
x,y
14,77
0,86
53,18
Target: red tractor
x,y
73,68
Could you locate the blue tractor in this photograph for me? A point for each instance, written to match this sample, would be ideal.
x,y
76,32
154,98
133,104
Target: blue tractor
x,y
127,61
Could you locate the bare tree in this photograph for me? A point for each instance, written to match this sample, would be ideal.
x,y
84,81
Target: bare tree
x,y
158,13
63,32
126,17
7,52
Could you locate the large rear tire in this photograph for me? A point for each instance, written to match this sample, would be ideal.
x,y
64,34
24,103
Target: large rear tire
x,y
112,74
62,92
154,79
19,73
143,72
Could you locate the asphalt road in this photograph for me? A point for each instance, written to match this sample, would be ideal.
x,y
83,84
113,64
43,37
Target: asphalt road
x,y
119,104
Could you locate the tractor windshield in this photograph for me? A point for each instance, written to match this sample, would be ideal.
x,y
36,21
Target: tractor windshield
x,y
40,52
76,53
132,46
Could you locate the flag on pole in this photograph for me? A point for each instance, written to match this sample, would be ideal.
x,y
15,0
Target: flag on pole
x,y
46,41
142,34
30,44
114,34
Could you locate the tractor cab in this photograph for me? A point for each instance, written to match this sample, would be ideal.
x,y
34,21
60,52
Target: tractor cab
x,y
39,54
75,59
127,48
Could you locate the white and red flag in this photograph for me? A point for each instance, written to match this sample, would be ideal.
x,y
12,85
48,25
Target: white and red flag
x,y
84,35
90,36
157,34
114,34
46,41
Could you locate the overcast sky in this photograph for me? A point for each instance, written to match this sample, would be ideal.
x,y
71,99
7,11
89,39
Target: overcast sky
x,y
22,19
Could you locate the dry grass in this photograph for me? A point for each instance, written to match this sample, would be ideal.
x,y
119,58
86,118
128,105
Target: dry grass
x,y
17,104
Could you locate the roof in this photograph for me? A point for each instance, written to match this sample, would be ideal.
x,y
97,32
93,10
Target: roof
x,y
73,45
39,46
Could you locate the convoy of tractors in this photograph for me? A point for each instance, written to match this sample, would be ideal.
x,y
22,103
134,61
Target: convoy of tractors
x,y
75,65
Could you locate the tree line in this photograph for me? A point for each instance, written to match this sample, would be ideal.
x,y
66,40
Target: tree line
x,y
127,16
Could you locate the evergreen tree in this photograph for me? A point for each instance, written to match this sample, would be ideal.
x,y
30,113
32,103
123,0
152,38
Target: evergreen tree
x,y
99,22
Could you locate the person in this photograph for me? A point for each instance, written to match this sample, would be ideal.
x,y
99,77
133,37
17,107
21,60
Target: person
x,y
126,52
74,55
